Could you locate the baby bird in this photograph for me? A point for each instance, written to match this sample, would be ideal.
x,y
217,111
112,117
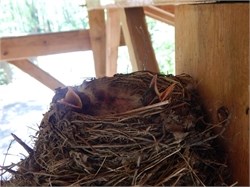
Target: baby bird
x,y
111,95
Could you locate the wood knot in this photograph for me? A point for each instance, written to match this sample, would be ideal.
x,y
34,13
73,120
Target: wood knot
x,y
5,53
222,113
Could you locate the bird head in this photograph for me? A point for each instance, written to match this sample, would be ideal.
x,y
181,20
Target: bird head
x,y
72,98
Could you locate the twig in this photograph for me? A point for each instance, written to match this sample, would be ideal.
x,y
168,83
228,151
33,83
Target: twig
x,y
24,145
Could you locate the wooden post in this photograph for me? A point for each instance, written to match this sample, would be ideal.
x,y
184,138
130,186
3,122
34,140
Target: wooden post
x,y
98,40
113,35
212,45
138,40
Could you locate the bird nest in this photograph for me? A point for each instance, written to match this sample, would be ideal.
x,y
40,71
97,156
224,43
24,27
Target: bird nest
x,y
166,142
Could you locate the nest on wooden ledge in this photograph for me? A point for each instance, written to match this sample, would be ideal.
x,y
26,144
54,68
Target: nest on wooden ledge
x,y
164,143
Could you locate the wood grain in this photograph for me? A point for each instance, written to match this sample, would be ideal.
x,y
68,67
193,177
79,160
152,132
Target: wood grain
x,y
212,45
13,48
98,40
113,35
138,40
39,74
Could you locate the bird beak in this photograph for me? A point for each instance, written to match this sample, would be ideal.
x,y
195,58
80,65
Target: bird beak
x,y
71,99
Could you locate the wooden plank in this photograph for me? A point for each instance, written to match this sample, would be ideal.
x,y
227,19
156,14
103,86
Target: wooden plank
x,y
36,72
167,8
214,49
159,14
100,4
98,40
138,40
13,48
113,32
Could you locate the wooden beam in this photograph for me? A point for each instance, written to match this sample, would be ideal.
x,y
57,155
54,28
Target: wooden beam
x,y
113,35
98,40
159,14
167,8
138,40
36,72
13,48
101,4
16,48
214,49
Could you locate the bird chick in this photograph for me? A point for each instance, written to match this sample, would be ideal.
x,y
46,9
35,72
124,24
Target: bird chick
x,y
97,97
109,98
70,97
111,95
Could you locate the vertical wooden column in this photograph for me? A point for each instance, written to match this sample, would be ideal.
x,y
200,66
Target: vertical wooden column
x,y
113,36
212,45
138,40
98,40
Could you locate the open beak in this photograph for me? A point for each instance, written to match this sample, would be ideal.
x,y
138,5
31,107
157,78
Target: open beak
x,y
71,99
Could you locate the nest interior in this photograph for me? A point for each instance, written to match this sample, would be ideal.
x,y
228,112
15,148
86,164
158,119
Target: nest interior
x,y
162,143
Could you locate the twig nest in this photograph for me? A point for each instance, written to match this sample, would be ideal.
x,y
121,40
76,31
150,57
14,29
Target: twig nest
x,y
163,143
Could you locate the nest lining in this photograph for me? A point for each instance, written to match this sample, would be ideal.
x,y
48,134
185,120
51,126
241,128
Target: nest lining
x,y
165,143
